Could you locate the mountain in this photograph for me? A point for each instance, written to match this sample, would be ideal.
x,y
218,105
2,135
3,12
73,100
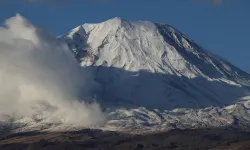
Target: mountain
x,y
147,77
153,77
156,66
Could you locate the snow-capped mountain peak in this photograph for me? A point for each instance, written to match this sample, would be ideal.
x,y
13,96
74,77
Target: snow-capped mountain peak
x,y
160,46
153,64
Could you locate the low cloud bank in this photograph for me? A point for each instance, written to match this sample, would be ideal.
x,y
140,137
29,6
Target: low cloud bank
x,y
39,77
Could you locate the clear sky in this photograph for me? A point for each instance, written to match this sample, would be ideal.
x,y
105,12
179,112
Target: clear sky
x,y
223,29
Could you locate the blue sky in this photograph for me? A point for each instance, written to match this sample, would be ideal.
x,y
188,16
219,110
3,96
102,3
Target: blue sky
x,y
223,29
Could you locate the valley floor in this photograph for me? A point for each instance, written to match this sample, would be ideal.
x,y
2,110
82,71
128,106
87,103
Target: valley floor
x,y
202,139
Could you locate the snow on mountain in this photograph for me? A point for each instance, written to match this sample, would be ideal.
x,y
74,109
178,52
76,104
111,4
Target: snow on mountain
x,y
156,66
154,78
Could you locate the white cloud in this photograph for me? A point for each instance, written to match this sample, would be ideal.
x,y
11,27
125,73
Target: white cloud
x,y
38,76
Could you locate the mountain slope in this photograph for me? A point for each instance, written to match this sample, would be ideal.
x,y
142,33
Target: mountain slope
x,y
155,66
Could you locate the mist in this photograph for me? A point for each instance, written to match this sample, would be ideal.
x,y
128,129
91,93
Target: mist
x,y
40,79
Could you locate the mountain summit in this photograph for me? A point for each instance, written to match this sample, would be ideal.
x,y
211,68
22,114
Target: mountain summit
x,y
156,66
